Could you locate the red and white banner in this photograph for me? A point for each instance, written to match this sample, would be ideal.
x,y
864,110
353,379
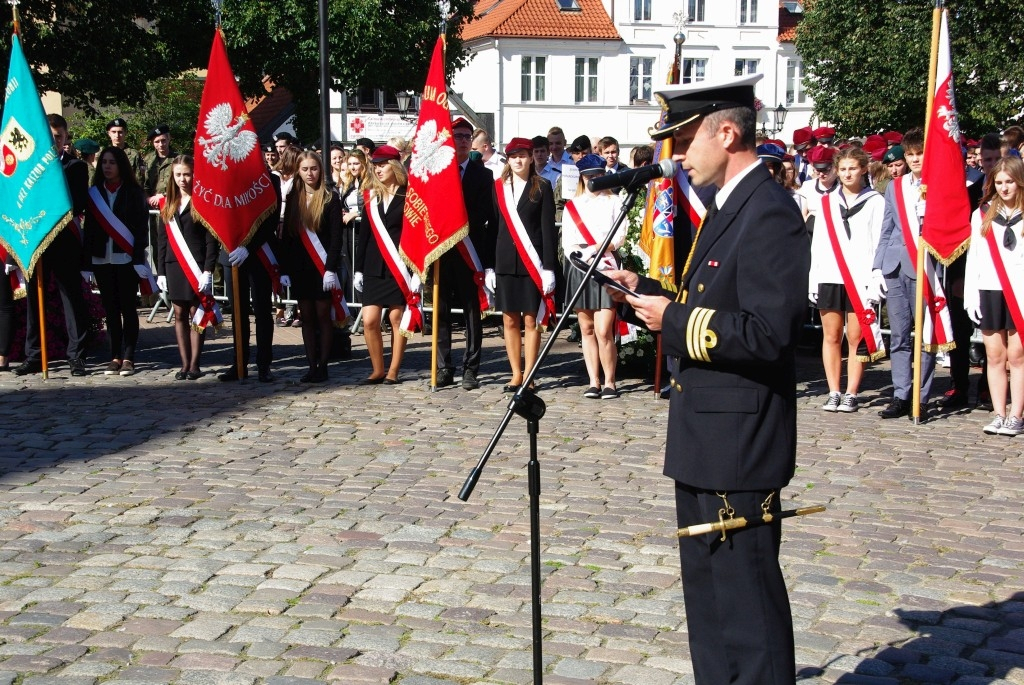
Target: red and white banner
x,y
408,283
232,192
435,216
946,229
527,252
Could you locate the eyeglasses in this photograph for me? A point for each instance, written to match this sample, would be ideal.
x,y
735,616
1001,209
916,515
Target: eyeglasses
x,y
462,136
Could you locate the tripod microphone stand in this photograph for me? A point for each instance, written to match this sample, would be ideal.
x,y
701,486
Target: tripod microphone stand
x,y
527,404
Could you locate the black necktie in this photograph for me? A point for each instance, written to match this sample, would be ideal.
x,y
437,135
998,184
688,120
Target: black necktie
x,y
1009,235
847,213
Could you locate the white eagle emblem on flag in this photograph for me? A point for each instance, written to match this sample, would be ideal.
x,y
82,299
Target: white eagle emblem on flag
x,y
951,120
227,140
430,155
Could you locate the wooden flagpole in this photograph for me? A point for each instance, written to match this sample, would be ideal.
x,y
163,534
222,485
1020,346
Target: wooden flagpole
x,y
436,304
921,252
236,328
40,288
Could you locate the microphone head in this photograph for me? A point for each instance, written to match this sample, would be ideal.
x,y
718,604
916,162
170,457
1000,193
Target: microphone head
x,y
668,168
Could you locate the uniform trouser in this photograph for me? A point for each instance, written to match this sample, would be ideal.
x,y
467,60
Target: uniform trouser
x,y
253,279
76,316
737,609
6,315
457,286
118,285
901,292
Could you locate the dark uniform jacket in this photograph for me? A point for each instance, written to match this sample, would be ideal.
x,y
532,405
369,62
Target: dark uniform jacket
x,y
131,208
369,260
201,243
539,218
478,194
732,417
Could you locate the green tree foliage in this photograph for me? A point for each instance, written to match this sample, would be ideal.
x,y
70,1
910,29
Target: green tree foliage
x,y
99,53
867,62
373,44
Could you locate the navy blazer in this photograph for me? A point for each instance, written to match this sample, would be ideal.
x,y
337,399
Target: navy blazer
x,y
539,218
131,208
200,242
732,417
369,260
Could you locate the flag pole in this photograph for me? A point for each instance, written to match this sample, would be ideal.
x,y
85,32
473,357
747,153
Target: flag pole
x,y
435,297
915,413
236,328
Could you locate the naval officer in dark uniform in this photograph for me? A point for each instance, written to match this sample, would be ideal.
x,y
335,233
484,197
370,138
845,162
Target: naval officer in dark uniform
x,y
732,331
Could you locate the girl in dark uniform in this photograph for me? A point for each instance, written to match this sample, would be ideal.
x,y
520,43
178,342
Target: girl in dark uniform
x,y
375,275
314,251
517,293
172,278
117,271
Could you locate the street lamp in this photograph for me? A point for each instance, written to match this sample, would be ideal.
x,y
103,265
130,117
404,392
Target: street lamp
x,y
404,99
780,113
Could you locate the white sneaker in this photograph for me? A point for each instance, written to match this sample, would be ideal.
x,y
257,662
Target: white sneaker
x,y
849,404
994,426
832,403
1012,426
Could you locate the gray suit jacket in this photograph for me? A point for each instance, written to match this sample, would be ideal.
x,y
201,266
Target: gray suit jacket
x,y
891,256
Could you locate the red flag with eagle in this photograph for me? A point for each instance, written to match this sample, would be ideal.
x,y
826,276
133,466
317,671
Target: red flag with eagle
x,y
435,214
232,192
946,228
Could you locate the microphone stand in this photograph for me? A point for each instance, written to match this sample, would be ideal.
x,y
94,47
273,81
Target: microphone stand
x,y
529,406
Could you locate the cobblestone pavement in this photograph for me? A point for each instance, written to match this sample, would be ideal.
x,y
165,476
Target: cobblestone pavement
x,y
154,531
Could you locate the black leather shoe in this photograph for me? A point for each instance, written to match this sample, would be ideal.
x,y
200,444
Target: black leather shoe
x,y
264,376
27,367
896,409
469,381
953,399
230,374
445,377
77,366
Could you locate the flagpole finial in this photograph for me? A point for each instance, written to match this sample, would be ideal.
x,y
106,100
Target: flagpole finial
x,y
218,6
17,16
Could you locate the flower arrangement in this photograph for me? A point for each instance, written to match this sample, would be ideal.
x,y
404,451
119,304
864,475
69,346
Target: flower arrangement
x,y
56,327
638,355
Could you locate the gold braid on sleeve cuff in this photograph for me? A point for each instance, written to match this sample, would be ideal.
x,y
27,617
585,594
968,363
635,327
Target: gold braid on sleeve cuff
x,y
699,338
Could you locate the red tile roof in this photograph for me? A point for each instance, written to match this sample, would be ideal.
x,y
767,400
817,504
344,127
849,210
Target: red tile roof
x,y
539,19
788,22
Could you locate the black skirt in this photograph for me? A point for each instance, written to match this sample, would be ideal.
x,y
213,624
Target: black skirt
x,y
593,296
382,292
833,296
995,315
516,294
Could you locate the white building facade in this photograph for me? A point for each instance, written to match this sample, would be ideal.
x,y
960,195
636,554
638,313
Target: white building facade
x,y
531,71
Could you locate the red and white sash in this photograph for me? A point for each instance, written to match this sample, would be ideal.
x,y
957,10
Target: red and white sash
x,y
938,329
607,261
269,261
527,252
1012,281
865,312
408,283
15,277
118,232
315,249
472,260
208,311
688,199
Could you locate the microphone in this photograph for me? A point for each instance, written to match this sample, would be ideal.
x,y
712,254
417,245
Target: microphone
x,y
633,177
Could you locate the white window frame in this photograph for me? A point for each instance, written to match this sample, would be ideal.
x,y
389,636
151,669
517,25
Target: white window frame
x,y
642,10
586,83
748,12
695,10
641,80
795,93
744,67
697,67
532,82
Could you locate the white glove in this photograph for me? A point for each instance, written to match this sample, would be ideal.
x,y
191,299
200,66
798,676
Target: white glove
x,y
88,277
161,282
972,305
587,253
547,281
974,314
813,297
490,281
237,256
10,269
357,281
872,294
286,282
415,283
143,270
879,280
206,283
331,281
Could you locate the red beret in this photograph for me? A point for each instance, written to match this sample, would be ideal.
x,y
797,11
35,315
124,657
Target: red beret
x,y
517,144
971,142
821,155
461,123
893,137
776,141
825,133
875,146
802,136
385,153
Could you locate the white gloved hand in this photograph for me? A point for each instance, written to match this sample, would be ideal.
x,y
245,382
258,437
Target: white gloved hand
x,y
974,314
547,281
206,283
490,281
238,255
972,305
415,283
286,282
10,269
879,280
813,297
357,281
88,277
587,253
143,270
331,281
161,282
871,293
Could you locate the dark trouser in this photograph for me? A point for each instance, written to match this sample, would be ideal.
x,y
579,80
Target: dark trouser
x,y
457,286
737,609
253,279
76,316
6,315
963,328
118,284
